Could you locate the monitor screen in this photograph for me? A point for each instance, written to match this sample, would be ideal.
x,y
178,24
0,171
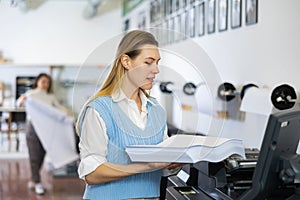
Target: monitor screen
x,y
280,140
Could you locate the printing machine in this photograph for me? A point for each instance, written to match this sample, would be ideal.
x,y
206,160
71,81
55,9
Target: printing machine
x,y
271,173
205,180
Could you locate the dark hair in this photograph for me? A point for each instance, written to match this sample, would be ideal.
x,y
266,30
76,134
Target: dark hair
x,y
34,85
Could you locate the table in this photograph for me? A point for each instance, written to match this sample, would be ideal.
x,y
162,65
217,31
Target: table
x,y
12,111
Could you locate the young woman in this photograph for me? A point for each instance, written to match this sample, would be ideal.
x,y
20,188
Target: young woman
x,y
41,90
122,113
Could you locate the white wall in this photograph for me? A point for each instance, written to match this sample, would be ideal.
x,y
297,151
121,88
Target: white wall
x,y
54,33
267,54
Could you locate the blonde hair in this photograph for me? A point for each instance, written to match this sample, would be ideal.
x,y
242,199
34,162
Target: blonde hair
x,y
130,45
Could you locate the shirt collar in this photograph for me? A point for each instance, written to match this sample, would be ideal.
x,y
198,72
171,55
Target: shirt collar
x,y
120,96
40,90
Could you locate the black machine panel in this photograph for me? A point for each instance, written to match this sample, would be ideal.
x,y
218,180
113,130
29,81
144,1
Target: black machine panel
x,y
271,173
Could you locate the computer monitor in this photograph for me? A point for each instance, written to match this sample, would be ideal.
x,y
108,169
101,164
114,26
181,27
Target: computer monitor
x,y
273,177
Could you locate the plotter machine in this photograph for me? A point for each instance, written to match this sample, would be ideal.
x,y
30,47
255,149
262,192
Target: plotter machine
x,y
271,173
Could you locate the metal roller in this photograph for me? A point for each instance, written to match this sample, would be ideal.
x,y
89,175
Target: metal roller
x,y
284,97
245,88
164,87
189,88
226,91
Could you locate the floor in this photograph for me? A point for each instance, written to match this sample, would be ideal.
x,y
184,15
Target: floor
x,y
15,173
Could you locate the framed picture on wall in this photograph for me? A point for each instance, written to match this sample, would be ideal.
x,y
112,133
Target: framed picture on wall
x,y
177,5
171,6
211,16
157,13
184,3
251,12
177,26
236,13
142,20
192,21
164,32
165,8
200,19
152,12
183,25
171,30
223,14
126,25
187,23
192,2
167,33
157,31
129,5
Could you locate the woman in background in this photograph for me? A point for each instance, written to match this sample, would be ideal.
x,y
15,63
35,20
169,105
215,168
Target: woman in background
x,y
42,91
122,113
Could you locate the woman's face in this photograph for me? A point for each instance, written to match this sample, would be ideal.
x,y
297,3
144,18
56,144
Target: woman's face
x,y
143,69
43,83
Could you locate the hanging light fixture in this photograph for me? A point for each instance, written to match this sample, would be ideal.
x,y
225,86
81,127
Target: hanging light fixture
x,y
90,10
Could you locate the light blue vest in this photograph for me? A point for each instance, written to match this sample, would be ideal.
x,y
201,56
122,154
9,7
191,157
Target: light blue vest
x,y
121,132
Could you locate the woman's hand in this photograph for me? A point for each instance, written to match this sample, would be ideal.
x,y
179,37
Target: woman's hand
x,y
22,100
164,165
174,165
157,165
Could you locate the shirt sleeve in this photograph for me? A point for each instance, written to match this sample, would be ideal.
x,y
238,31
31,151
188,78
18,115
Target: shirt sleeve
x,y
19,103
93,143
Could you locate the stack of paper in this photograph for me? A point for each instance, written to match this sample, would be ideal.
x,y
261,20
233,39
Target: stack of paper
x,y
187,149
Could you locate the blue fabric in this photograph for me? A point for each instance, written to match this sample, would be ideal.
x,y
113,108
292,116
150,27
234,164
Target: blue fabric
x,y
121,132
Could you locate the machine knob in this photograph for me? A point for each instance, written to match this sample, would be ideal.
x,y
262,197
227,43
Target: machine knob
x,y
287,175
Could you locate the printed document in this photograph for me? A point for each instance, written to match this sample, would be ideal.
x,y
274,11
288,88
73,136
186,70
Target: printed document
x,y
187,149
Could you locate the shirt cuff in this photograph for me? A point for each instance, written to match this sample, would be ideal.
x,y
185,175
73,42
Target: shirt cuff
x,y
89,164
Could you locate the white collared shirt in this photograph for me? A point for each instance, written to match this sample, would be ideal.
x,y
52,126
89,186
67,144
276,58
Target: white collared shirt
x,y
94,140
